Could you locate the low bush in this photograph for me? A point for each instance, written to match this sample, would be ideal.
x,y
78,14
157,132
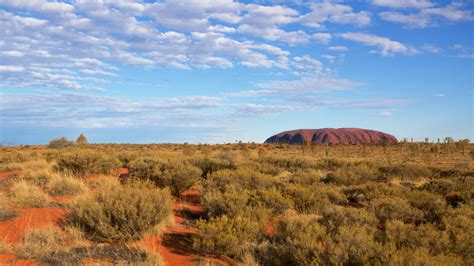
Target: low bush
x,y
121,213
406,171
225,236
389,208
299,240
352,175
81,162
210,165
177,176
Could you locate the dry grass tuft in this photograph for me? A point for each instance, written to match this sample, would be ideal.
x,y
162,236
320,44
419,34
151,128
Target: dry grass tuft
x,y
25,195
60,185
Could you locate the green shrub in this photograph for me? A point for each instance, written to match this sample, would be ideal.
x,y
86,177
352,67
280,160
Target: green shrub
x,y
178,176
406,171
352,175
390,208
121,213
408,236
210,165
355,245
335,218
224,236
299,240
82,162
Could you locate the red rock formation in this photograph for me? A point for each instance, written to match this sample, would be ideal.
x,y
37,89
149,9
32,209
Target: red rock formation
x,y
332,136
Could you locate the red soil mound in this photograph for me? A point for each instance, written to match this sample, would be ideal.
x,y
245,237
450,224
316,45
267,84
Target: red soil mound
x,y
332,136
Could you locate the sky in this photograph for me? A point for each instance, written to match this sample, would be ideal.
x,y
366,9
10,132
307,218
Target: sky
x,y
208,71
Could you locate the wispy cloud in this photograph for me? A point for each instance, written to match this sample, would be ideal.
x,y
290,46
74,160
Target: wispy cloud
x,y
384,45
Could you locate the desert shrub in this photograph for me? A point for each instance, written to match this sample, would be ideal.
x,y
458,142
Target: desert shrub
x,y
178,175
330,164
59,143
289,163
439,186
82,162
406,171
121,213
314,199
422,256
145,167
210,165
299,240
306,177
409,236
25,195
225,236
39,243
390,208
335,218
127,157
355,246
432,206
246,178
352,175
234,202
459,227
60,185
274,200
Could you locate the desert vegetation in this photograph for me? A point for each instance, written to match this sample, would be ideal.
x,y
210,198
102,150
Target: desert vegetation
x,y
390,204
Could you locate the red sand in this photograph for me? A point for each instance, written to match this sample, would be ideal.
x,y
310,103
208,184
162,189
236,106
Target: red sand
x,y
175,246
14,230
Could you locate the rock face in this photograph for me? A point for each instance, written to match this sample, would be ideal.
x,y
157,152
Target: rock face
x,y
332,136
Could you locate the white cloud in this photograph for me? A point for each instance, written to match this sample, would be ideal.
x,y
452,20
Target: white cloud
x,y
429,16
38,6
410,20
384,45
11,68
13,53
450,12
322,37
329,57
335,13
338,48
385,113
404,3
308,85
431,48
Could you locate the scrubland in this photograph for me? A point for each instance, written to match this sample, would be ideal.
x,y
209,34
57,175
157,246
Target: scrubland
x,y
400,204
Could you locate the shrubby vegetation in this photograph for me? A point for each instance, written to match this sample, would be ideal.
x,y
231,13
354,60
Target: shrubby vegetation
x,y
121,213
403,204
87,161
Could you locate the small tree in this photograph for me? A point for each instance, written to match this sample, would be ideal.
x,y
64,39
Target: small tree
x,y
62,142
81,140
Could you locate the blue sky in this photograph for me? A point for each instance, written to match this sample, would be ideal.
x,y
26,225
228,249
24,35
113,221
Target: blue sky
x,y
220,71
